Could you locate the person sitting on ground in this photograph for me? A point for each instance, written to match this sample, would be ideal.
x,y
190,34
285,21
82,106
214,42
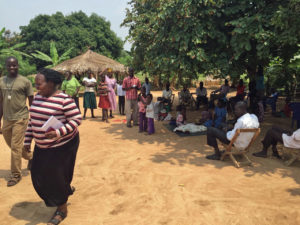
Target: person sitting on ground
x,y
221,92
245,120
240,93
167,95
206,118
219,115
201,93
185,96
275,135
272,100
181,115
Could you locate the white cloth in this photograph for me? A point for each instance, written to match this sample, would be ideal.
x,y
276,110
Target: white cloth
x,y
191,128
167,94
150,110
120,91
202,92
292,141
89,81
148,88
245,121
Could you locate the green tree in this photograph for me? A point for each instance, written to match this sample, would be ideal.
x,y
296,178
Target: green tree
x,y
223,37
10,47
54,58
76,30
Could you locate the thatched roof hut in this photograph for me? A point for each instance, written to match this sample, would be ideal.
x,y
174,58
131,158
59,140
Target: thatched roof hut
x,y
90,60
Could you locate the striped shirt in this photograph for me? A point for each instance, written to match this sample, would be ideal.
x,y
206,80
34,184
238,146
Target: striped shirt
x,y
102,89
63,108
129,82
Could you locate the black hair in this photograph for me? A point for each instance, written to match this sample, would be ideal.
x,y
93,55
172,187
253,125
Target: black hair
x,y
222,102
11,58
150,96
242,105
201,83
226,81
51,76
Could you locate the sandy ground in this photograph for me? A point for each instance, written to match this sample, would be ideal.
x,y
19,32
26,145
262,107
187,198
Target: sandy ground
x,y
123,177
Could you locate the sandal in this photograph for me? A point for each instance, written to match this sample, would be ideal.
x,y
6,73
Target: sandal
x,y
13,181
56,221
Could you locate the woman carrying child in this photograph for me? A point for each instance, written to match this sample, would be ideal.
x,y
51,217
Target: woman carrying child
x,y
104,103
150,114
142,103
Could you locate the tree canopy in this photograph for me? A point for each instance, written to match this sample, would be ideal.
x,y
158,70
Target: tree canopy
x,y
77,31
226,37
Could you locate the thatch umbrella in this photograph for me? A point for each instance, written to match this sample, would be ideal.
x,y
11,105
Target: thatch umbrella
x,y
90,60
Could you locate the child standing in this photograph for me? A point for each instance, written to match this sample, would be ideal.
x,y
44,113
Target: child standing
x,y
121,95
150,114
142,103
103,101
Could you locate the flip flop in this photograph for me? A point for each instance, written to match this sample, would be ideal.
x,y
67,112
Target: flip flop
x,y
55,221
13,181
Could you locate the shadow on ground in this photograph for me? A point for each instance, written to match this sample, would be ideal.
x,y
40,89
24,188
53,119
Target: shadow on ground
x,y
32,212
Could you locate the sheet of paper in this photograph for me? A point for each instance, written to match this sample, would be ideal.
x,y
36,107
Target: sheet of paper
x,y
52,123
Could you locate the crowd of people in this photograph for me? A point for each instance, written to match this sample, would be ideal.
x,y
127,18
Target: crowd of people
x,y
57,101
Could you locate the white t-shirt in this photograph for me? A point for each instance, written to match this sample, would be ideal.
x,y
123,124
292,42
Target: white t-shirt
x,y
89,81
292,141
245,121
167,94
120,91
150,110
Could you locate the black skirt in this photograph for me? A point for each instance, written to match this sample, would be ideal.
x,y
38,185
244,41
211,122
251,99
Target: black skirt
x,y
52,172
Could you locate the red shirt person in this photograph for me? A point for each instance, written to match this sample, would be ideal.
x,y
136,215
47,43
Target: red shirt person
x,y
131,85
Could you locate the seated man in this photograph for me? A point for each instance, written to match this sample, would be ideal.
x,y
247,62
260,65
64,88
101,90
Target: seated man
x,y
185,96
201,93
167,94
272,100
221,92
240,94
275,135
244,120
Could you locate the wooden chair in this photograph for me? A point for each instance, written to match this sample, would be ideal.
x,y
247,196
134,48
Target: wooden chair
x,y
290,155
231,151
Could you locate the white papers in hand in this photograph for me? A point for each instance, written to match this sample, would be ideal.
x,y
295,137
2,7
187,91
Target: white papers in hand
x,y
52,124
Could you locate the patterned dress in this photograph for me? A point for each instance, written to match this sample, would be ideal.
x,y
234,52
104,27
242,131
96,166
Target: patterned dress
x,y
111,84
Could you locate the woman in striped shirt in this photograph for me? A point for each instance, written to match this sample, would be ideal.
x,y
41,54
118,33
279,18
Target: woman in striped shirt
x,y
55,149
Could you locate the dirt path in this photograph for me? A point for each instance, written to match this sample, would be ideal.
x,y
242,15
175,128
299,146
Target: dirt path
x,y
126,178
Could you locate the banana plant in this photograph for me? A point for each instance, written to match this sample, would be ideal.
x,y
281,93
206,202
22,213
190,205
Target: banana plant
x,y
53,58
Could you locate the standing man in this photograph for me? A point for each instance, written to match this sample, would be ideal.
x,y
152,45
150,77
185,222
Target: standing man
x,y
131,85
14,89
147,85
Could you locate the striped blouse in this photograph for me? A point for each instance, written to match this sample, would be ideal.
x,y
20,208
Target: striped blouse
x,y
63,108
103,88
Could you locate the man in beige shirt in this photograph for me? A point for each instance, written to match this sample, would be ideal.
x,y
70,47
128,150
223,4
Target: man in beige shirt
x,y
14,90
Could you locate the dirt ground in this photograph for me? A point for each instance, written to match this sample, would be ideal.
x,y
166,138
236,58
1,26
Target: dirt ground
x,y
126,178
